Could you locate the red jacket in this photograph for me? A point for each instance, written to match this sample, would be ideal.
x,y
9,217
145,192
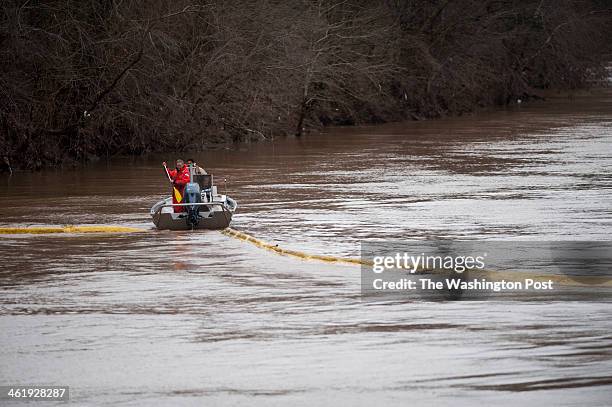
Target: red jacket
x,y
180,178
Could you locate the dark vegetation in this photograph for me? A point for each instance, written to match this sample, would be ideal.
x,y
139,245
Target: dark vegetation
x,y
91,78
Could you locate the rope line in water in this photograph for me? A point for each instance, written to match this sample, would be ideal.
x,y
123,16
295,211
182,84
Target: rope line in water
x,y
563,280
68,229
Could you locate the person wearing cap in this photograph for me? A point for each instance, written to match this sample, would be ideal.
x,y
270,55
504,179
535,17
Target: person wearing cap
x,y
198,170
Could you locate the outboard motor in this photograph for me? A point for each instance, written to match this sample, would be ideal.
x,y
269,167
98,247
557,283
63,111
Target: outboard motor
x,y
192,194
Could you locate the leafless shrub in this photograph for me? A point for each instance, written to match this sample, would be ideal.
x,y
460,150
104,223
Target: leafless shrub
x,y
97,78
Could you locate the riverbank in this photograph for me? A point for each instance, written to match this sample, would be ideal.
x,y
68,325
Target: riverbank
x,y
87,80
539,97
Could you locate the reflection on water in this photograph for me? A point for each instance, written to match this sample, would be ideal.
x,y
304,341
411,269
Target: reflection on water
x,y
165,318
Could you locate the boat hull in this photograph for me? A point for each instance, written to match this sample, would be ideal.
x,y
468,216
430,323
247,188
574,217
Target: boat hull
x,y
216,214
178,221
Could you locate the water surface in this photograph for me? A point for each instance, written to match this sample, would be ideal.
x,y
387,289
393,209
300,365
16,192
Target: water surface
x,y
166,318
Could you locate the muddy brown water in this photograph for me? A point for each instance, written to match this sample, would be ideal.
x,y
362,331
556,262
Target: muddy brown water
x,y
167,318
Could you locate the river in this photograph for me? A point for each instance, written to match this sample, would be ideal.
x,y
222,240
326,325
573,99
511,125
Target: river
x,y
181,318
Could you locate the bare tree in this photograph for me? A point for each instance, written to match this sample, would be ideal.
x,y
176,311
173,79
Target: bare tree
x,y
103,77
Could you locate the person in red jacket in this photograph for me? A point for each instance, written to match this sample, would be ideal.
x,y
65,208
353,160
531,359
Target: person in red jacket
x,y
179,178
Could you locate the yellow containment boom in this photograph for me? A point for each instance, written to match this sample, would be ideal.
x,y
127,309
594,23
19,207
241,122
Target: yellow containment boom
x,y
292,253
38,230
562,280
